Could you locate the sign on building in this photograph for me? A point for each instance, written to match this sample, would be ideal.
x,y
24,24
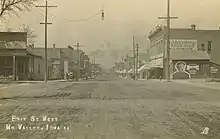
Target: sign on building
x,y
193,68
214,70
13,39
183,44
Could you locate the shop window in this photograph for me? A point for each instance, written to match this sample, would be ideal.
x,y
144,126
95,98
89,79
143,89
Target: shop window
x,y
203,47
209,46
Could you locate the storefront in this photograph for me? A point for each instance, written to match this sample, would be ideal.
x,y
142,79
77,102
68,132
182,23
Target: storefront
x,y
17,64
143,71
156,69
187,69
187,65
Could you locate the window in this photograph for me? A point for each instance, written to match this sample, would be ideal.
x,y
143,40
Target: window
x,y
203,47
209,46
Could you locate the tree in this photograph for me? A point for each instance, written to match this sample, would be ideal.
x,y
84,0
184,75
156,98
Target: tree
x,y
31,37
8,7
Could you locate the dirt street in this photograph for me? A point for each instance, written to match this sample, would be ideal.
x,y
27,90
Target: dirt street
x,y
109,108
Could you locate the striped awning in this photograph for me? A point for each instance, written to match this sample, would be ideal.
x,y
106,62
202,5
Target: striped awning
x,y
144,67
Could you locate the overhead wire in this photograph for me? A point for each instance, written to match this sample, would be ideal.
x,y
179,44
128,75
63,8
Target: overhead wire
x,y
68,20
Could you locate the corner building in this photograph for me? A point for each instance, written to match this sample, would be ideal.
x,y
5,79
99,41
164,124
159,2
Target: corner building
x,y
193,53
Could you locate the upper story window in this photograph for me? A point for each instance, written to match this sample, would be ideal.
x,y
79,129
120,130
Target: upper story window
x,y
203,47
209,46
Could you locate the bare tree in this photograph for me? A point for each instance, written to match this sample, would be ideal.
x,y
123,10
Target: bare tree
x,y
8,7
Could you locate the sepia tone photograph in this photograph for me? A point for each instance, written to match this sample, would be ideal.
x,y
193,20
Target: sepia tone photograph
x,y
109,69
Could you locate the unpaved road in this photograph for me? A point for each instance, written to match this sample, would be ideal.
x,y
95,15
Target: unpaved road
x,y
109,108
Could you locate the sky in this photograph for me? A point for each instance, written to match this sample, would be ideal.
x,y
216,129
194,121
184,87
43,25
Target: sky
x,y
123,19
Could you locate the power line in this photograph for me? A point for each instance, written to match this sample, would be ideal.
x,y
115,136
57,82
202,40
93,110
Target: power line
x,y
69,20
41,11
85,19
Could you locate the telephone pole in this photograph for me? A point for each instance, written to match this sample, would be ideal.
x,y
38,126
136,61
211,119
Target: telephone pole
x,y
134,72
46,23
168,39
137,62
127,65
78,61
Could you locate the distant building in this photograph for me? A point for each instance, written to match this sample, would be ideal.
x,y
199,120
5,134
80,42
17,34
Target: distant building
x,y
194,52
18,61
63,60
144,59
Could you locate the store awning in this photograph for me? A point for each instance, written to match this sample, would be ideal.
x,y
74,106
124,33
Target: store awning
x,y
158,63
144,67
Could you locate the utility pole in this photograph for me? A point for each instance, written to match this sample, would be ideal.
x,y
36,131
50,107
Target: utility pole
x,y
127,65
134,72
168,39
137,62
46,23
78,61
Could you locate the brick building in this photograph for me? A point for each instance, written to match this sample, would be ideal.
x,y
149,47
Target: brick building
x,y
194,52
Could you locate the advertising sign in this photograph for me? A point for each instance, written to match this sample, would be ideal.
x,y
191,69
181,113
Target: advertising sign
x,y
183,44
214,70
180,71
192,68
192,71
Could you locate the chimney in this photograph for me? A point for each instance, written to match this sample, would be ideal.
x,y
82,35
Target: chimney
x,y
193,26
54,46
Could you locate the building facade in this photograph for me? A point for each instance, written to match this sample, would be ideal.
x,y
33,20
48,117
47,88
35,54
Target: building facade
x,y
63,60
16,61
193,53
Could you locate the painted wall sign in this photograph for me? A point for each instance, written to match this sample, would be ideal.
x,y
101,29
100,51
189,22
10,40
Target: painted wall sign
x,y
192,71
181,72
192,66
183,44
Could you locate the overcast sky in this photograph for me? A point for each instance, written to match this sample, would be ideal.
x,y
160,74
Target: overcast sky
x,y
123,19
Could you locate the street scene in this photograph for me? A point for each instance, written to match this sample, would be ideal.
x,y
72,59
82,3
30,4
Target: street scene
x,y
94,70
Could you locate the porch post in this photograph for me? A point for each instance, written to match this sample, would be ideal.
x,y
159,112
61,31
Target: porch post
x,y
14,68
24,72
